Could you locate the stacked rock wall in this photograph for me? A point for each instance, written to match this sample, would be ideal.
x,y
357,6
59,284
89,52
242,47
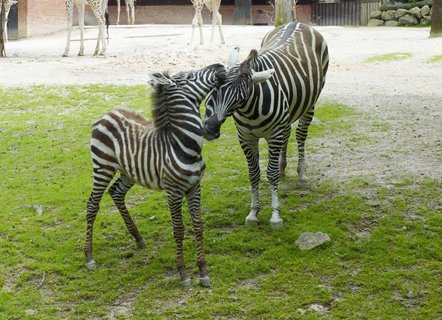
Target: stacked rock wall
x,y
401,17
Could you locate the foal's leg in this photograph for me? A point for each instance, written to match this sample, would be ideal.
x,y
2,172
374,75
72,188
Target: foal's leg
x,y
283,154
301,136
194,203
102,177
175,203
275,146
118,192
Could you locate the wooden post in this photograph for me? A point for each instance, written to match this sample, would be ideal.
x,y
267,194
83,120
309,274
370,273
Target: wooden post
x,y
283,12
2,32
436,19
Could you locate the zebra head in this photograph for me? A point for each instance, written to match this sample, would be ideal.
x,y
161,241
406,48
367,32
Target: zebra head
x,y
232,93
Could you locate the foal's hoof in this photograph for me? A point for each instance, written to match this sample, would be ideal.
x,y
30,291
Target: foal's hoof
x,y
205,281
276,224
141,244
91,265
252,222
187,284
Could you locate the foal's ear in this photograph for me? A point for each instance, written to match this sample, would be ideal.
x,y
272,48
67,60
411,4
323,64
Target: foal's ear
x,y
159,79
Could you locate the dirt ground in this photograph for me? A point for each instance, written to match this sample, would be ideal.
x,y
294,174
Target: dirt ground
x,y
405,96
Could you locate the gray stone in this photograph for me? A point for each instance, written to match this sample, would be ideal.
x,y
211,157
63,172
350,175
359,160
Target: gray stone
x,y
375,23
388,15
425,10
310,240
409,19
391,23
375,14
400,13
415,12
426,18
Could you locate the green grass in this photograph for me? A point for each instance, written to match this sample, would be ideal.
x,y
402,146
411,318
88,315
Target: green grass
x,y
384,260
436,59
395,56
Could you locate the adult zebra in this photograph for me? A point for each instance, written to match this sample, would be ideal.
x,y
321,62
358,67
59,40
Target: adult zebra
x,y
267,92
164,154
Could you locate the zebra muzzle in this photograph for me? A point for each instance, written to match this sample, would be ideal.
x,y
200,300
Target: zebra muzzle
x,y
211,128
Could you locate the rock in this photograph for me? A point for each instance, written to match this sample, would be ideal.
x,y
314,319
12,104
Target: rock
x,y
409,19
317,307
426,18
375,23
391,23
415,12
310,240
376,14
388,15
400,13
425,10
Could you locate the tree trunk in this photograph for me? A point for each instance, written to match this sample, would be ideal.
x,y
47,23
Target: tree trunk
x,y
283,12
2,23
242,14
436,19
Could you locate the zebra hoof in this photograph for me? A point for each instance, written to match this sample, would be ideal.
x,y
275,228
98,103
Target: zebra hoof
x,y
91,265
205,282
141,244
187,284
276,224
252,222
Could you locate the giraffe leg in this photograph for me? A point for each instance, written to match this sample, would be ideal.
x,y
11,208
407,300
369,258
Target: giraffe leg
x,y
175,202
251,151
301,136
118,11
81,26
70,14
102,177
99,15
275,146
132,4
118,192
194,203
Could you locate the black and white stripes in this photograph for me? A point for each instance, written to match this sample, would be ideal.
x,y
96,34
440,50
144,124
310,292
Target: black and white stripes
x,y
163,154
267,92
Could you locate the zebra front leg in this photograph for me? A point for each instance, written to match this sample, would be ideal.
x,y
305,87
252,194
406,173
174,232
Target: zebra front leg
x,y
118,192
251,151
175,202
194,203
301,136
273,174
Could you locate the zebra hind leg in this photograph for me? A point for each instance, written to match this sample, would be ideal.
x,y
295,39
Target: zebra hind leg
x,y
118,192
275,146
194,203
102,178
301,136
251,151
283,154
175,203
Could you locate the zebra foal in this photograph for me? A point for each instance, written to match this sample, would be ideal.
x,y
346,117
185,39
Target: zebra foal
x,y
163,154
265,94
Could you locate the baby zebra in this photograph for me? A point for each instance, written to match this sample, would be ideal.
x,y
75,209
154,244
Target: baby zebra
x,y
164,154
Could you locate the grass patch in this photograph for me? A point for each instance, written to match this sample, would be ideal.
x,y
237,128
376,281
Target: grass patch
x,y
435,59
395,56
383,262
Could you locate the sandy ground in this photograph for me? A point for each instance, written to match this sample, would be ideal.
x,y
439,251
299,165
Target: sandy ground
x,y
405,97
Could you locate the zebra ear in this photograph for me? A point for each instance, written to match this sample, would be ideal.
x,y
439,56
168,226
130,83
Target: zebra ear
x,y
159,79
261,76
233,58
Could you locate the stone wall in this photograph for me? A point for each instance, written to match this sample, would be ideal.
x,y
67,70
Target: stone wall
x,y
393,18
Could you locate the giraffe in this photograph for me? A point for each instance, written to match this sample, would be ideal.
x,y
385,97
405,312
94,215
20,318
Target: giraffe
x,y
8,5
130,9
98,7
213,6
